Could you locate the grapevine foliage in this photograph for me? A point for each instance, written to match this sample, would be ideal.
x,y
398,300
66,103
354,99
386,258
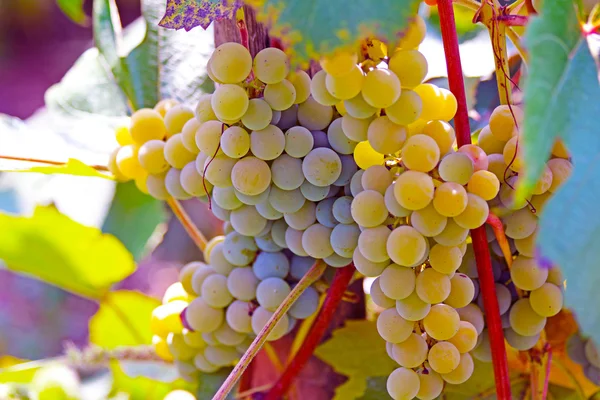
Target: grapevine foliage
x,y
188,14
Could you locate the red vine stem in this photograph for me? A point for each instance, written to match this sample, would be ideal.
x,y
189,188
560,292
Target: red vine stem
x,y
478,236
313,338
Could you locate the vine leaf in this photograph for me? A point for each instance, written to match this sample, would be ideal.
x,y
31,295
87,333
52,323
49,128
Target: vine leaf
x,y
74,10
123,319
72,167
561,100
187,14
368,357
310,29
55,249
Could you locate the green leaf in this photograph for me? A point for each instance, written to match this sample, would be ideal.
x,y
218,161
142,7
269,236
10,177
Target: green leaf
x,y
146,380
74,10
353,387
376,389
309,29
133,217
72,167
123,319
188,14
54,248
561,99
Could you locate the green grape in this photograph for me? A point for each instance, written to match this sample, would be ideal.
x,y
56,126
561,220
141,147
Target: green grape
x,y
561,170
397,282
432,287
203,318
239,250
356,182
442,133
475,214
465,338
188,135
340,63
488,142
406,110
344,87
303,218
368,209
173,184
261,316
392,204
473,314
306,305
318,90
508,195
520,224
151,157
410,353
392,327
385,136
298,141
520,342
442,322
208,137
204,111
229,102
503,124
406,246
365,156
366,267
403,384
313,115
267,144
258,116
269,265
192,182
381,88
344,239
322,166
431,385
355,128
238,316
428,222
231,62
526,274
378,297
484,184
357,107
547,300
147,124
186,273
445,259
444,357
414,190
271,65
251,176
128,163
410,66
316,241
178,348
372,243
156,186
376,177
512,154
301,82
225,198
214,291
114,168
524,320
175,152
412,308
218,262
271,292
219,170
453,234
462,291
286,172
280,95
526,246
420,153
247,221
462,372
176,117
312,192
414,35
456,167
253,200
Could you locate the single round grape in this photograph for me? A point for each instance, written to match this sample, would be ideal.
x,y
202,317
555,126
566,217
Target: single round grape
x,y
432,287
199,276
204,365
242,283
428,222
456,167
306,305
344,239
266,243
406,110
204,111
247,221
443,134
238,316
376,177
512,154
449,105
280,95
208,137
475,214
303,218
357,107
385,136
420,153
381,88
268,143
473,314
444,357
254,199
477,155
318,89
239,249
431,385
367,267
354,128
497,166
173,184
188,135
547,300
176,117
372,243
316,241
147,124
298,141
218,170
520,342
526,274
229,102
251,176
286,201
322,166
286,172
338,140
312,192
175,152
561,171
299,266
412,308
258,115
524,320
465,338
405,246
221,355
442,322
225,198
152,157
235,142
215,292
123,136
301,81
520,224
342,210
356,182
271,65
192,182
271,292
261,316
414,35
453,234
228,336
462,291
412,352
340,63
504,120
345,86
488,142
410,66
127,160
231,62
313,115
293,240
544,183
484,184
368,209
445,259
378,297
433,101
403,384
392,204
392,327
526,246
414,190
397,282
462,372
203,318
365,156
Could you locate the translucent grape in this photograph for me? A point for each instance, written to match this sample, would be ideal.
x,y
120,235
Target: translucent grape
x,y
286,201
229,102
173,184
306,305
431,385
231,62
452,235
255,199
208,137
128,163
392,204
215,292
372,243
344,239
358,107
456,167
298,141
484,184
247,221
412,352
392,327
410,66
397,282
319,91
322,166
199,276
312,192
368,209
225,198
251,176
403,384
268,143
443,357
165,318
378,297
271,292
238,249
204,365
316,241
261,316
204,111
220,355
428,222
338,140
280,95
561,171
465,338
412,308
303,218
524,320
502,122
376,177
385,136
203,318
432,286
242,283
407,109
381,88
433,102
520,224
175,152
192,182
367,267
449,105
462,291
420,153
488,142
354,128
508,194
340,63
301,82
313,115
520,342
147,124
526,246
547,300
176,117
477,155
229,337
218,170
442,322
271,65
344,87
286,172
188,135
152,158
462,372
475,214
526,274
473,314
365,156
293,240
414,190
278,232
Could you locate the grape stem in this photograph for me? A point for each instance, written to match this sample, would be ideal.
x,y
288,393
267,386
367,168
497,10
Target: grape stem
x,y
308,279
313,338
102,168
191,228
478,236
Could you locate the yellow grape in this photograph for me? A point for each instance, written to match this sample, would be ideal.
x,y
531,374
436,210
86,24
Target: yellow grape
x,y
475,214
381,88
231,63
147,124
355,128
555,276
229,102
465,339
267,143
208,137
314,116
462,372
410,66
188,135
431,385
489,143
204,111
420,153
368,209
192,182
412,308
341,108
526,246
318,90
179,348
128,162
358,107
406,246
416,127
449,105
161,348
280,95
176,117
432,287
187,272
414,35
442,322
175,152
477,155
414,190
165,105
251,176
346,86
123,136
520,224
218,170
403,384
462,291
512,154
301,82
453,234
502,122
560,150
526,274
271,65
114,168
547,300
406,110
497,166
339,64
443,134
524,320
456,167
484,184
209,71
450,199
539,202
365,156
392,327
443,357
165,318
544,183
377,178
445,259
561,170
397,282
258,115
412,352
428,221
433,101
385,136
152,156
